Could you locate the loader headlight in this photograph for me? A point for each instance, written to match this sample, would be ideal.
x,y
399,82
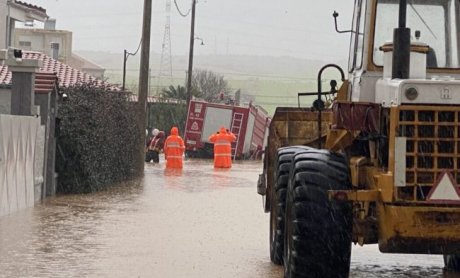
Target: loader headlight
x,y
411,93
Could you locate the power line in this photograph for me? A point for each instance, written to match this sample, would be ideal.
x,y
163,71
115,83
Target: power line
x,y
179,11
126,55
137,50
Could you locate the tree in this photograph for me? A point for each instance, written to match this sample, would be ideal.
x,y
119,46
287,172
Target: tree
x,y
178,92
209,85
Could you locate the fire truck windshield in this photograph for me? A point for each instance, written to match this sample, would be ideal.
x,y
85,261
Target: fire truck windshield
x,y
438,22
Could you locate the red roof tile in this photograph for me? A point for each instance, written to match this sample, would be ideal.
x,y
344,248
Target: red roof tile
x,y
66,75
30,6
45,82
5,75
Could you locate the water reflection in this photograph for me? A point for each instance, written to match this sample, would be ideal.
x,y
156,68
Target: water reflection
x,y
200,176
198,222
60,235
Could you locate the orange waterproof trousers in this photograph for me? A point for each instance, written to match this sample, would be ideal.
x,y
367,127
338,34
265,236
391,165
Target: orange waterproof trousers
x,y
222,149
174,150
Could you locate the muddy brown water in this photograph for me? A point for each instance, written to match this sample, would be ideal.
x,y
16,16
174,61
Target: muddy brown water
x,y
195,223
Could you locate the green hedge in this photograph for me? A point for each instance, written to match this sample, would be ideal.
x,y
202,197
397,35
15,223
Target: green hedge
x,y
98,142
164,116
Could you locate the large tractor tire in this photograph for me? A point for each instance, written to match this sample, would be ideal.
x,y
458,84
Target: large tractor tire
x,y
318,232
452,262
277,211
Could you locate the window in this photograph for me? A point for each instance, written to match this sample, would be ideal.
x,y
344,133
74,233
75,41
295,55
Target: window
x,y
437,20
360,36
25,44
357,36
351,55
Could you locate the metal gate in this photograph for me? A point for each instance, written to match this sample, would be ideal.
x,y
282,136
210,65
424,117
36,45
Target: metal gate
x,y
17,155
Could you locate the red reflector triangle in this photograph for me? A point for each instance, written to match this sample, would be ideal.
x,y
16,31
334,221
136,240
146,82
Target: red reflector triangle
x,y
445,190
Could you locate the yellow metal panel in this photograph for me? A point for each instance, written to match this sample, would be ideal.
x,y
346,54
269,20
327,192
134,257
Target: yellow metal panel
x,y
385,186
355,195
419,229
340,139
342,95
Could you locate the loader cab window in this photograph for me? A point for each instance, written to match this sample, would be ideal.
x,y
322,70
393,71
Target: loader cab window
x,y
437,20
357,36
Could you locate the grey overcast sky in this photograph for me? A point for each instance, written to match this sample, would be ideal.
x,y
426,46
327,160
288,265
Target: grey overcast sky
x,y
297,28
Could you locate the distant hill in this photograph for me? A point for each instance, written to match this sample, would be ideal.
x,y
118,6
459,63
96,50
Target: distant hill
x,y
233,66
269,81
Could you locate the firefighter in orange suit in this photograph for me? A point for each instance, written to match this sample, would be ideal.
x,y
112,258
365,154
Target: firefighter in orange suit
x,y
174,149
222,148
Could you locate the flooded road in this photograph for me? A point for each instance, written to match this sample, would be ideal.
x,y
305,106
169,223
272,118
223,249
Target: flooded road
x,y
195,223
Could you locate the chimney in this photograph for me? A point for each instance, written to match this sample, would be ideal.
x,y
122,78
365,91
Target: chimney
x,y
55,50
23,82
50,24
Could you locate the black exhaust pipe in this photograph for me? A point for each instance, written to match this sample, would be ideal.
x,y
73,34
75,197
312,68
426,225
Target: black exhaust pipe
x,y
401,45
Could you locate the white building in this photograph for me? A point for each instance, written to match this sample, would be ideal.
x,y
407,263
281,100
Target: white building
x,y
12,11
54,43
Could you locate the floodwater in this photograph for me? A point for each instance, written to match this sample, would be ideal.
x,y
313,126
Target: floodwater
x,y
195,223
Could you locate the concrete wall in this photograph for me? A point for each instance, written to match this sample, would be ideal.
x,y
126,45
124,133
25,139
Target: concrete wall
x,y
39,163
5,101
3,15
48,112
17,162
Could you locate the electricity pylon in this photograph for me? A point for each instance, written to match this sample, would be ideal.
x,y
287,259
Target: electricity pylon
x,y
165,74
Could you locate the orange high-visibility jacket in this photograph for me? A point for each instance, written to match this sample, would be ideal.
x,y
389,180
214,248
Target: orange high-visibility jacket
x,y
222,148
174,149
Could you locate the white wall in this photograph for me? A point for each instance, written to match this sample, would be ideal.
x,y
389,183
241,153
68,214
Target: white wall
x,y
17,153
41,40
5,108
39,162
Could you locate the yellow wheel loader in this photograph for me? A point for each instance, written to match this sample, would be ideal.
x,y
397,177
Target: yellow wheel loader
x,y
377,160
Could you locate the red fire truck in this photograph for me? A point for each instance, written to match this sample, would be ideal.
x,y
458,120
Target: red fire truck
x,y
249,124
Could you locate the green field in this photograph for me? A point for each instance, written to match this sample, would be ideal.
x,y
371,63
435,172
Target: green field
x,y
268,93
273,93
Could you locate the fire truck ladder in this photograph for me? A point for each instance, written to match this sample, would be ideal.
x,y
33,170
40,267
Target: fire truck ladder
x,y
237,123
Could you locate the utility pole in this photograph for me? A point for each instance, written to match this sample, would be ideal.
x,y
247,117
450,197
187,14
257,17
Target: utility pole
x,y
126,55
144,80
190,57
125,58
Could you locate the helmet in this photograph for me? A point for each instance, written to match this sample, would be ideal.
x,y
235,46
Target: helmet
x,y
155,132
